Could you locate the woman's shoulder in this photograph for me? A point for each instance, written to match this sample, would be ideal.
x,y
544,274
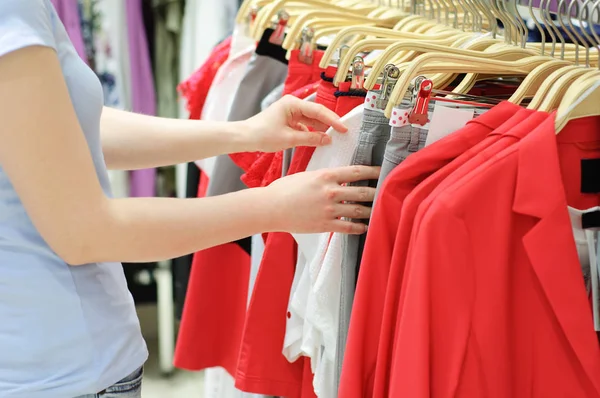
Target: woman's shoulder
x,y
26,23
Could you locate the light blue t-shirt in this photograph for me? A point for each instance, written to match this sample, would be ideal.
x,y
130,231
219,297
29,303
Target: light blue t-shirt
x,y
64,331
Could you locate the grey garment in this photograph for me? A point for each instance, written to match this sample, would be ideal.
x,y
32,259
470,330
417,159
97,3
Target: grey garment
x,y
406,140
374,135
263,75
272,97
288,155
403,141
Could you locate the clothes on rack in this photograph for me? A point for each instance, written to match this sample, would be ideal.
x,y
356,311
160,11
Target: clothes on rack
x,y
414,307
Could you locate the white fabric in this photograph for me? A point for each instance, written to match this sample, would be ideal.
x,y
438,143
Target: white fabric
x,y
205,23
311,328
222,91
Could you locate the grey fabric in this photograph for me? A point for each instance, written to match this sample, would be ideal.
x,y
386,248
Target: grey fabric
x,y
407,140
263,75
374,135
403,141
272,97
288,155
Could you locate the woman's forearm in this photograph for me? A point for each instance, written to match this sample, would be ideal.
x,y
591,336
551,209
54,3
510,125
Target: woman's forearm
x,y
131,141
151,229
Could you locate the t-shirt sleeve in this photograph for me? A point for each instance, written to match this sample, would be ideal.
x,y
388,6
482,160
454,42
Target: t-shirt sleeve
x,y
25,23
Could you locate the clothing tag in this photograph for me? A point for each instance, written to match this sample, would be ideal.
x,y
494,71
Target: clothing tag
x,y
590,175
446,120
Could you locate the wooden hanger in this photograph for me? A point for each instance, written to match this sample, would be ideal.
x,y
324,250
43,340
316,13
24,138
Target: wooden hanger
x,y
557,91
581,100
457,63
531,84
547,84
296,30
294,8
394,54
405,45
245,8
363,31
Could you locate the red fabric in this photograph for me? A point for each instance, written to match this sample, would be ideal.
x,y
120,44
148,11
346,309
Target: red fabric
x,y
213,315
360,358
210,334
345,103
262,368
267,168
493,303
301,74
506,135
195,88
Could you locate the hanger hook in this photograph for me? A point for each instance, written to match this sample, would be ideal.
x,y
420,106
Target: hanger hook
x,y
505,18
591,24
582,24
538,26
561,22
521,24
580,42
548,24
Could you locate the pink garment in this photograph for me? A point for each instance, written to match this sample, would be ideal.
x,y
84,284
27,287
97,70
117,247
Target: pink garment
x,y
68,11
142,182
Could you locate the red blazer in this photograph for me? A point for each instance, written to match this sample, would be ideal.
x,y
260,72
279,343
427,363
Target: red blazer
x,y
520,123
357,379
495,304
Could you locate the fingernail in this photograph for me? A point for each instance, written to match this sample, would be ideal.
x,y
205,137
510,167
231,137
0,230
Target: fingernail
x,y
325,140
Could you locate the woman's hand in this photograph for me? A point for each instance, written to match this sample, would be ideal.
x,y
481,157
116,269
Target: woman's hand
x,y
285,125
316,201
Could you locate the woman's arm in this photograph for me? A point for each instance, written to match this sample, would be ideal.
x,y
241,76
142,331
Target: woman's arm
x,y
132,141
45,155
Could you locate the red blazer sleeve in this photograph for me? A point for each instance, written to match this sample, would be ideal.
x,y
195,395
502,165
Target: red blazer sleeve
x,y
436,308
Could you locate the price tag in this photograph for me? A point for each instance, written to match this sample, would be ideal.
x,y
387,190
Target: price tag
x,y
446,120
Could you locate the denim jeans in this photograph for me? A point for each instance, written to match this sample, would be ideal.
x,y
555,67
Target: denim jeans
x,y
129,387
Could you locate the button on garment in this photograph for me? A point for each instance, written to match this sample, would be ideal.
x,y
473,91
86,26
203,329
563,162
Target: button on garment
x,y
65,331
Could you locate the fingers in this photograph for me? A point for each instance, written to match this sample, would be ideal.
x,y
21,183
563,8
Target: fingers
x,y
307,138
315,124
319,115
348,227
353,194
352,211
347,174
